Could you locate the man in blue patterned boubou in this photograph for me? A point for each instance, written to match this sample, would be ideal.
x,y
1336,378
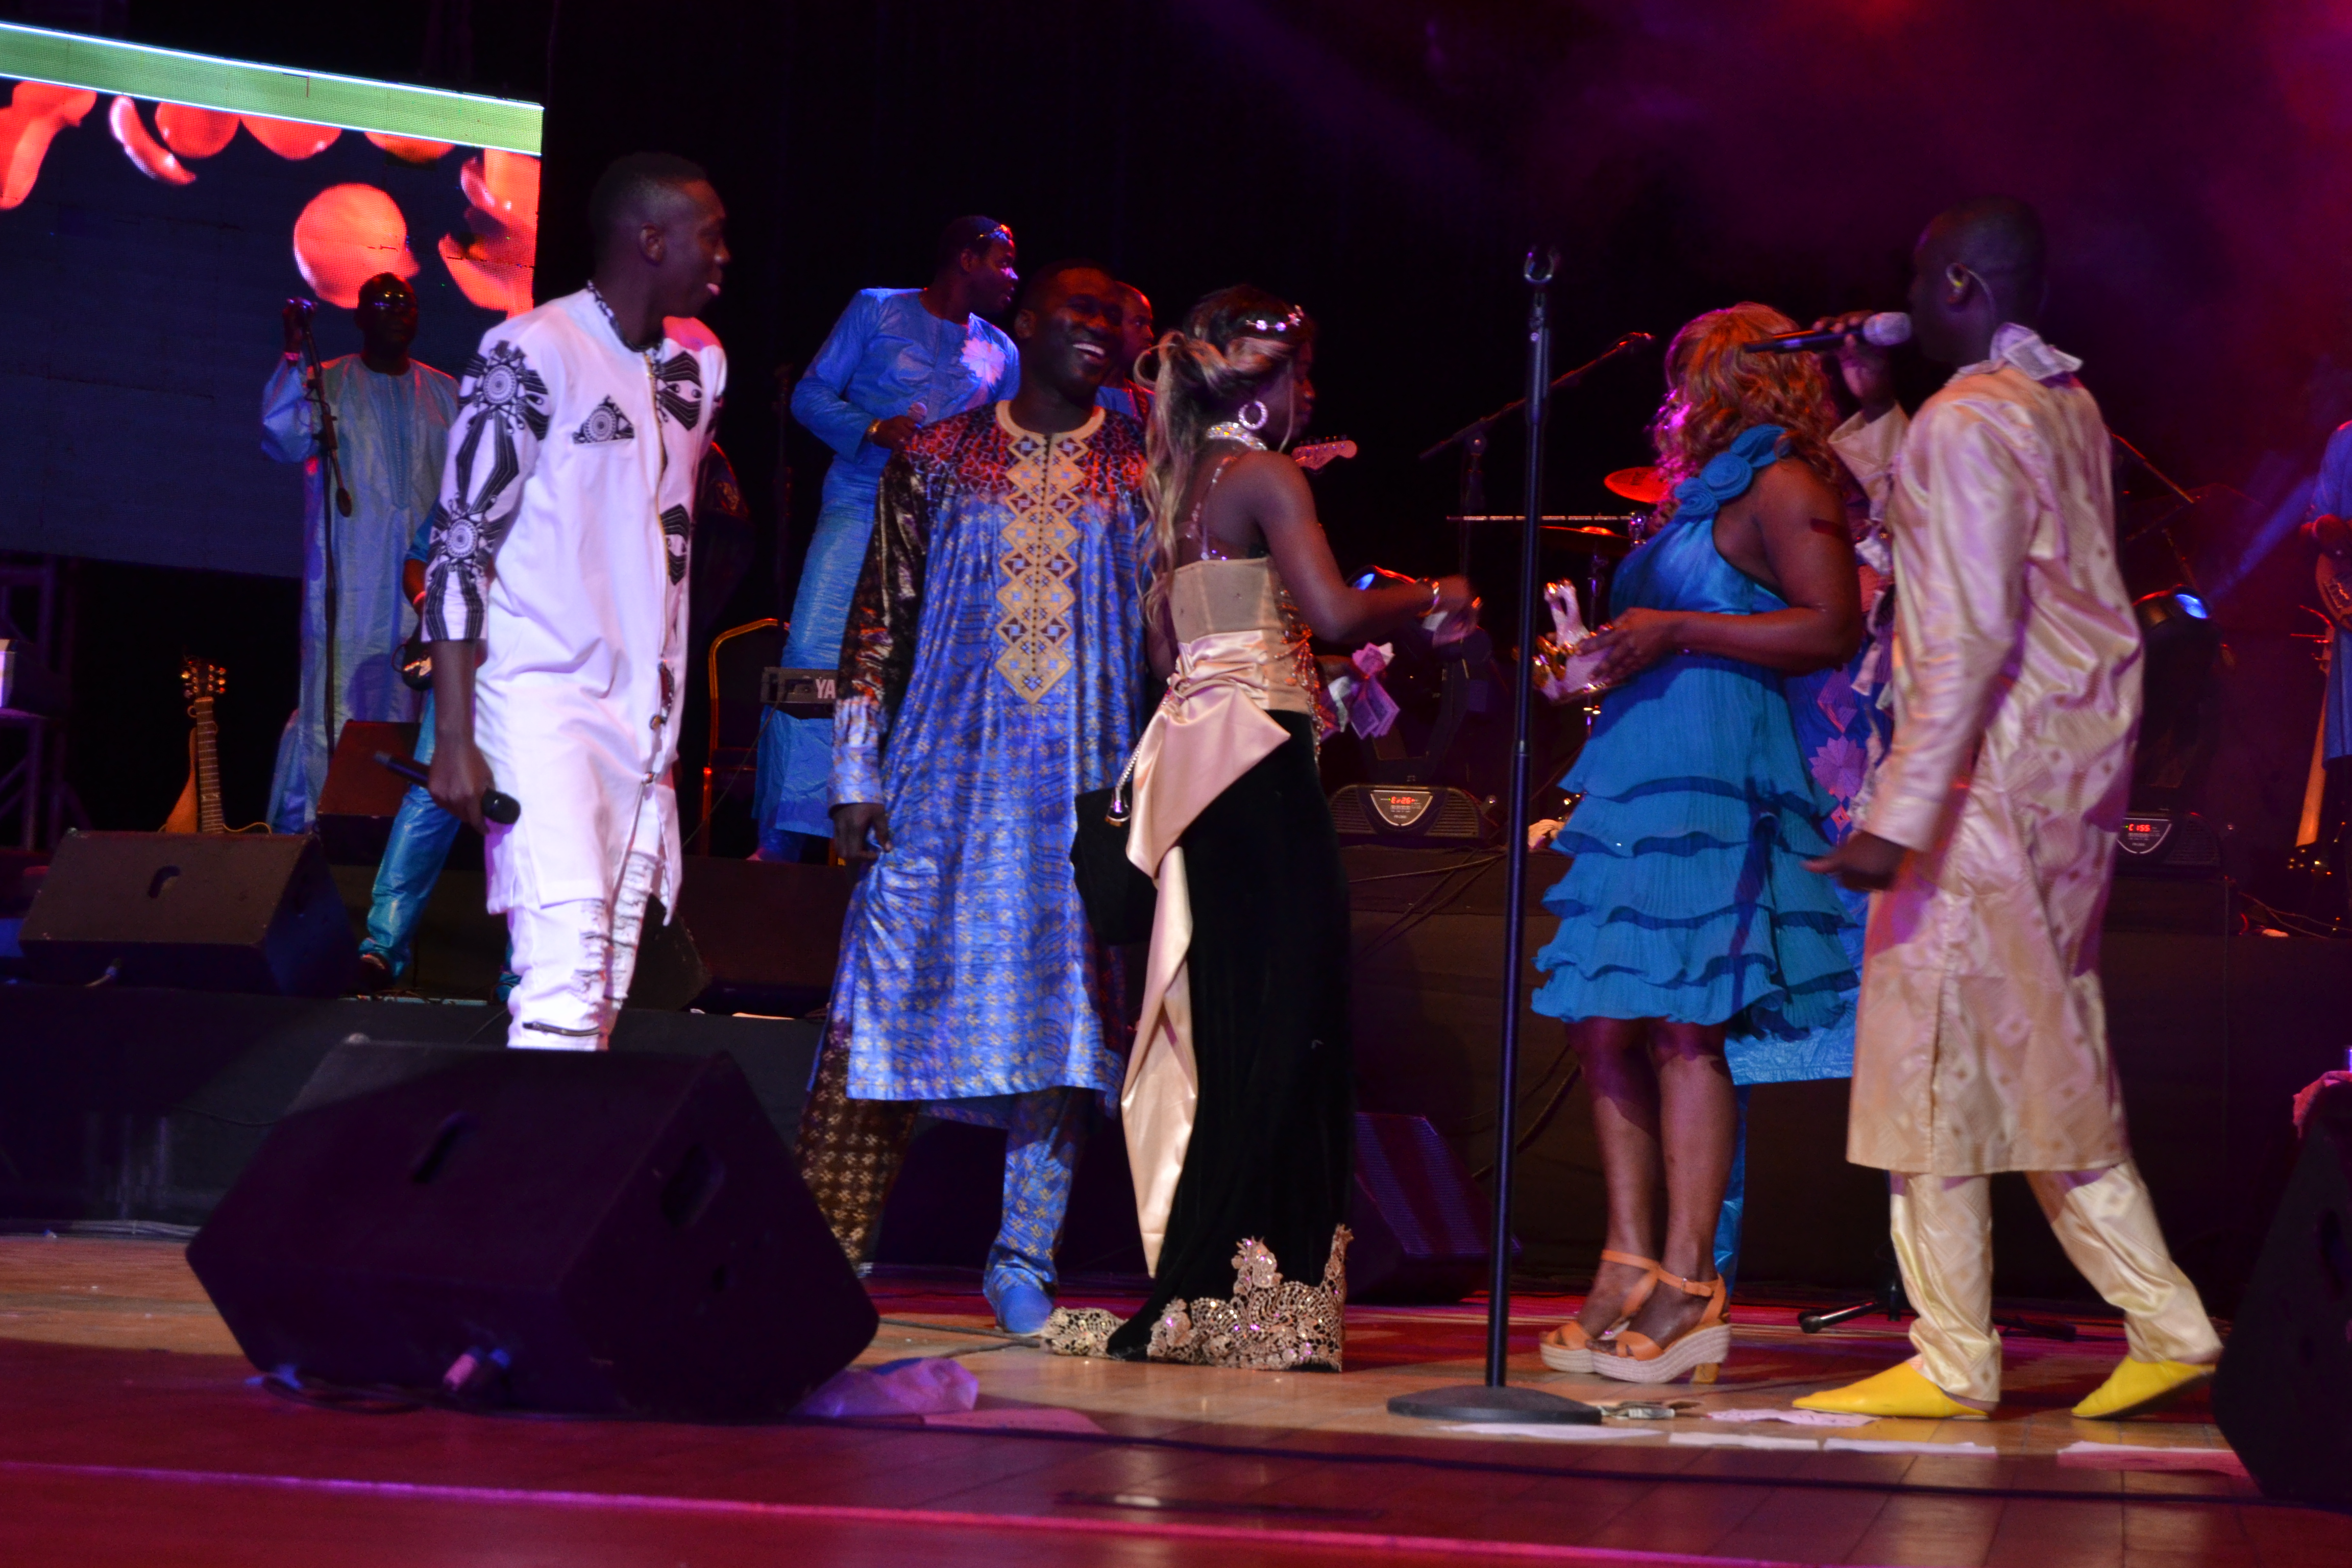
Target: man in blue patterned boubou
x,y
990,674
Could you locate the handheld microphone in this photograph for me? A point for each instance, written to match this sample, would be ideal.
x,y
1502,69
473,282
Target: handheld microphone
x,y
1885,330
497,806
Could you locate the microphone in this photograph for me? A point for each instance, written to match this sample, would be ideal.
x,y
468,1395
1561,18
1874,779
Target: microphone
x,y
497,806
1885,329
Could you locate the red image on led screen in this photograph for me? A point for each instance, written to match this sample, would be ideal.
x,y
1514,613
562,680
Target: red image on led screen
x,y
152,242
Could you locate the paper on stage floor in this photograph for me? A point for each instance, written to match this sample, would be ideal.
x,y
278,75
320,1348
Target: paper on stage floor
x,y
1557,1432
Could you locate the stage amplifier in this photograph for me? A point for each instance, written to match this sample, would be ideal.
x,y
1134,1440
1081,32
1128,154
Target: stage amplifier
x,y
1419,1218
1411,816
2168,843
800,693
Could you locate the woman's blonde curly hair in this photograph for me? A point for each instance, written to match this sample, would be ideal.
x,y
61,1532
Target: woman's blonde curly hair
x,y
1714,390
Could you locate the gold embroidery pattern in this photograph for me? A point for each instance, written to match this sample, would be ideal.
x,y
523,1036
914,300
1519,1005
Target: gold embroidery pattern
x,y
1045,483
1269,1324
850,1149
1078,1330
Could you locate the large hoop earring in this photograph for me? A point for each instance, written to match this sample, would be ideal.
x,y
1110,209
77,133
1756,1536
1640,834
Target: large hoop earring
x,y
1244,415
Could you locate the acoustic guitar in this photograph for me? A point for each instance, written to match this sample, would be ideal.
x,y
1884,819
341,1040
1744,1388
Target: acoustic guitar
x,y
199,808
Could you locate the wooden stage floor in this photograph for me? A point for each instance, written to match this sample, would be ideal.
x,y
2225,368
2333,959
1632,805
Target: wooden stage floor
x,y
131,1432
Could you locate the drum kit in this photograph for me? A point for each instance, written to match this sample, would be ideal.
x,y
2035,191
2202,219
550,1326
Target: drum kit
x,y
1595,542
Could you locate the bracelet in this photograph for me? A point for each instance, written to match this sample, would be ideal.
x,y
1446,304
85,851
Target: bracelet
x,y
1436,589
871,427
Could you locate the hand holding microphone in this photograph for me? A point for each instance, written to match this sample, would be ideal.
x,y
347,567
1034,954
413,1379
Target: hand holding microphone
x,y
1859,339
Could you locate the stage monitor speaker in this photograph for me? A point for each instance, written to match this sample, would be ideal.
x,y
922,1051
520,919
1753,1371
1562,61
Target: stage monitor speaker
x,y
357,802
615,1235
2168,843
1420,1220
769,932
1410,815
2286,1379
203,912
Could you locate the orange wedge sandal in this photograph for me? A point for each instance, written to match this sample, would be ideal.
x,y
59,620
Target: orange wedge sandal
x,y
1699,1350
1568,1347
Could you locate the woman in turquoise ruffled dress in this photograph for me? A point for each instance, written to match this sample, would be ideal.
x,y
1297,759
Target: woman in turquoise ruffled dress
x,y
1688,915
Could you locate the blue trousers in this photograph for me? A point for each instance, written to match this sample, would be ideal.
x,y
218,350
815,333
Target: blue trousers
x,y
850,1152
1041,1156
413,858
1735,1198
792,795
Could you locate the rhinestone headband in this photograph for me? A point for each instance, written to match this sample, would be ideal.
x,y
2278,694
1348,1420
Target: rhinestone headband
x,y
1296,319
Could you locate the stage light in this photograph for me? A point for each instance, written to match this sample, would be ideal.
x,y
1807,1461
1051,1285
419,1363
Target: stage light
x,y
2178,733
2173,612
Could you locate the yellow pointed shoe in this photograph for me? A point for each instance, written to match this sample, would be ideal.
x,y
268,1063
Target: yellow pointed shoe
x,y
2137,1387
1901,1392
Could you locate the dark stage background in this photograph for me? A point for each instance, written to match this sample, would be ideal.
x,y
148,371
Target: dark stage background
x,y
1387,163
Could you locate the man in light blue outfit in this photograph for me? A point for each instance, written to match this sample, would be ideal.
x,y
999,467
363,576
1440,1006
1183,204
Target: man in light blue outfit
x,y
898,360
392,424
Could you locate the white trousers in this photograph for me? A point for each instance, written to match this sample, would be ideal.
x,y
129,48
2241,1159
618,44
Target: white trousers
x,y
1943,1238
575,960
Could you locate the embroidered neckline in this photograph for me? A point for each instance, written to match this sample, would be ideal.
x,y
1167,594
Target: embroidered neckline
x,y
651,350
1082,432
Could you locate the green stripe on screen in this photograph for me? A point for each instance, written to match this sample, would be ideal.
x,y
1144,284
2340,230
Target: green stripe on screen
x,y
235,87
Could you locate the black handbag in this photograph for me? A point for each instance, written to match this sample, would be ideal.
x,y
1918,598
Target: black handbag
x,y
1120,901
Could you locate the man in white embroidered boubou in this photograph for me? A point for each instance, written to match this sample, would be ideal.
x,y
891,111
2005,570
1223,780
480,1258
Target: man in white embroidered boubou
x,y
990,674
560,565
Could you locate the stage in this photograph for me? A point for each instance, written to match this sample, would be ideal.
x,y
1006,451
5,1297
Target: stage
x,y
130,1431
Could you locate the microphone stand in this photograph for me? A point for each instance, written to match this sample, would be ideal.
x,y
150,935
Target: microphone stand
x,y
1496,1400
1472,437
330,449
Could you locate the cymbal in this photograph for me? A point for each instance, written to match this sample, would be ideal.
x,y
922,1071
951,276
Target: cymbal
x,y
1641,485
1600,541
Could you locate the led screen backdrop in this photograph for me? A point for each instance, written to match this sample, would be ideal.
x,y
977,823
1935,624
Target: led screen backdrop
x,y
156,210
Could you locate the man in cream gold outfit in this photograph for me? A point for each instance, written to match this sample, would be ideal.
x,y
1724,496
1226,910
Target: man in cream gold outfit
x,y
1989,835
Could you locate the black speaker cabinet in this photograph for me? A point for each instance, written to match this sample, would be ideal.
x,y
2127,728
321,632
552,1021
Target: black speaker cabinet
x,y
619,1235
2285,1380
203,912
1419,1221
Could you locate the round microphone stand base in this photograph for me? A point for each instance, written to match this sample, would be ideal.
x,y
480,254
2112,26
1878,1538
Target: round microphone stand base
x,y
1479,1402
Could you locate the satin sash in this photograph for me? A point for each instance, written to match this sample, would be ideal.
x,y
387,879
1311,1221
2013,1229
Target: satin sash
x,y
1210,730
